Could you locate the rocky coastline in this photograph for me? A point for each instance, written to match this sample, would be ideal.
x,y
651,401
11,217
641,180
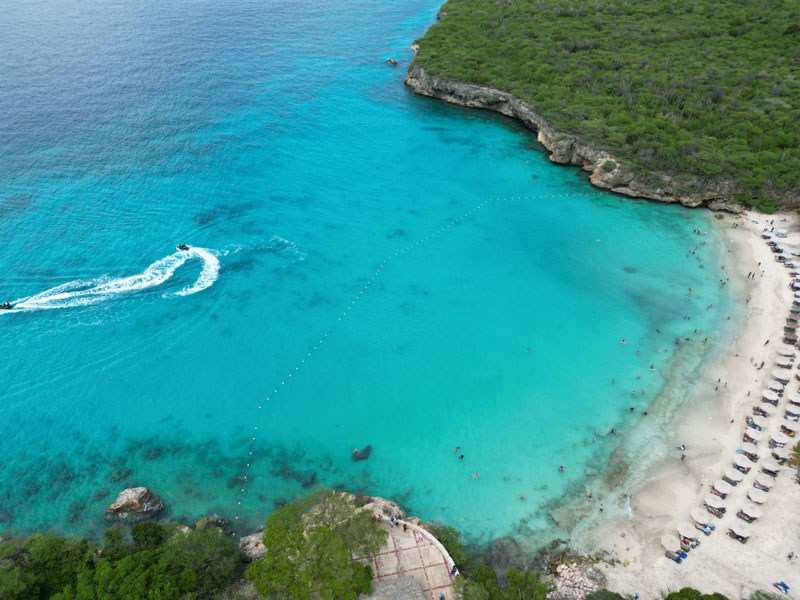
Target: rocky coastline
x,y
606,171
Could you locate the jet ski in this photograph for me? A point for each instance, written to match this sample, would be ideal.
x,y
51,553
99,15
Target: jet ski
x,y
182,247
6,306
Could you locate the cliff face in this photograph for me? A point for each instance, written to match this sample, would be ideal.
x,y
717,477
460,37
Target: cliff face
x,y
606,171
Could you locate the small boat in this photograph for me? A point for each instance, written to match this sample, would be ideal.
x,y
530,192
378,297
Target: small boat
x,y
6,306
392,62
182,247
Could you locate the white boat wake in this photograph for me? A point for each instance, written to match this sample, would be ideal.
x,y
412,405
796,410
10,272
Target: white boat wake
x,y
93,291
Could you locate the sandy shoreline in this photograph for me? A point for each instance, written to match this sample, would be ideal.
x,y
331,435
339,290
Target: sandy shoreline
x,y
711,427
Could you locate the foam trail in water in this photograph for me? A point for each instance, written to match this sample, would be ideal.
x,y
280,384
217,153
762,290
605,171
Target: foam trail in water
x,y
208,275
92,291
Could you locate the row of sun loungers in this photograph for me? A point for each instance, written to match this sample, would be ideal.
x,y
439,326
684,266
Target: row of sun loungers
x,y
763,426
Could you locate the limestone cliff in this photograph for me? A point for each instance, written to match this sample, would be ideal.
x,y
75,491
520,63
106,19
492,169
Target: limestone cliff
x,y
606,171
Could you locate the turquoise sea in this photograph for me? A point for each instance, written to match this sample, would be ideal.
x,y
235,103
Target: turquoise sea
x,y
274,140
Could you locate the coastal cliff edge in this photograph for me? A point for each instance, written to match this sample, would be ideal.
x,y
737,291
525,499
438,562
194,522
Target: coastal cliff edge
x,y
606,171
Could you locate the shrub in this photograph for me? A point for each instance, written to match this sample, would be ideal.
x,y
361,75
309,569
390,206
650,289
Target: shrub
x,y
609,165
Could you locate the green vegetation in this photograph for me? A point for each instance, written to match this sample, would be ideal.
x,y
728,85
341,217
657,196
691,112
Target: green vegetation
x,y
308,548
692,594
704,92
159,563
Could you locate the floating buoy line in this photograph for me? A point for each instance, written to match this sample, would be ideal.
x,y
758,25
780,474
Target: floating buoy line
x,y
384,263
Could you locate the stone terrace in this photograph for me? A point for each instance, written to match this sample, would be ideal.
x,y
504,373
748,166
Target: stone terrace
x,y
416,553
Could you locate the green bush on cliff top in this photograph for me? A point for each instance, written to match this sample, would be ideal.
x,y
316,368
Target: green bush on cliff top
x,y
705,91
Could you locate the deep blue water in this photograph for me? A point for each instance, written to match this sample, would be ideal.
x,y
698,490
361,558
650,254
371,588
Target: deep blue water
x,y
273,139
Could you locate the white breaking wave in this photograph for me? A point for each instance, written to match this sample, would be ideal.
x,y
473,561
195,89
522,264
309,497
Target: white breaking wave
x,y
92,291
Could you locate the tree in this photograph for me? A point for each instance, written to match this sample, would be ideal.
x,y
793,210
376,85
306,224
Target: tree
x,y
527,585
688,593
309,545
148,535
604,595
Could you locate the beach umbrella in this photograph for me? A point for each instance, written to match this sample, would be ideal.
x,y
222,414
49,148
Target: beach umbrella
x,y
759,420
784,362
768,408
722,487
757,496
734,474
794,398
742,461
715,501
751,510
786,349
783,375
740,529
754,434
750,447
770,465
775,385
769,395
765,480
790,425
670,543
699,515
792,411
781,453
779,438
686,530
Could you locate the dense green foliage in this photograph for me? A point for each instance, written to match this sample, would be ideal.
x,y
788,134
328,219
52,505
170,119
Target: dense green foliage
x,y
704,92
518,586
159,563
692,594
605,595
308,550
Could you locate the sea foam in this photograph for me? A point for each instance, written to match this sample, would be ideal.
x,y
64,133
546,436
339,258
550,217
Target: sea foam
x,y
92,291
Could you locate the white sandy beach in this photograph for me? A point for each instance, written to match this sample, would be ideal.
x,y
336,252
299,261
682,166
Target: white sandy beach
x,y
711,427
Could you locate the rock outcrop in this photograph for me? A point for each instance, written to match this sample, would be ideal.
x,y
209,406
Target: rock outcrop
x,y
134,504
214,521
574,583
606,171
252,547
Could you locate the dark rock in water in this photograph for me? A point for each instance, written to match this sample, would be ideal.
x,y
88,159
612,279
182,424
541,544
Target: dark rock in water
x,y
75,511
309,479
153,453
119,475
217,472
134,504
362,454
214,521
505,553
629,269
6,516
237,481
101,494
64,475
279,503
33,488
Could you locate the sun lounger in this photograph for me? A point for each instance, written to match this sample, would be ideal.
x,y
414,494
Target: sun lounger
x,y
781,587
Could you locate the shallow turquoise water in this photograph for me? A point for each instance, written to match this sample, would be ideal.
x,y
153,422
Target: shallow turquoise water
x,y
273,135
